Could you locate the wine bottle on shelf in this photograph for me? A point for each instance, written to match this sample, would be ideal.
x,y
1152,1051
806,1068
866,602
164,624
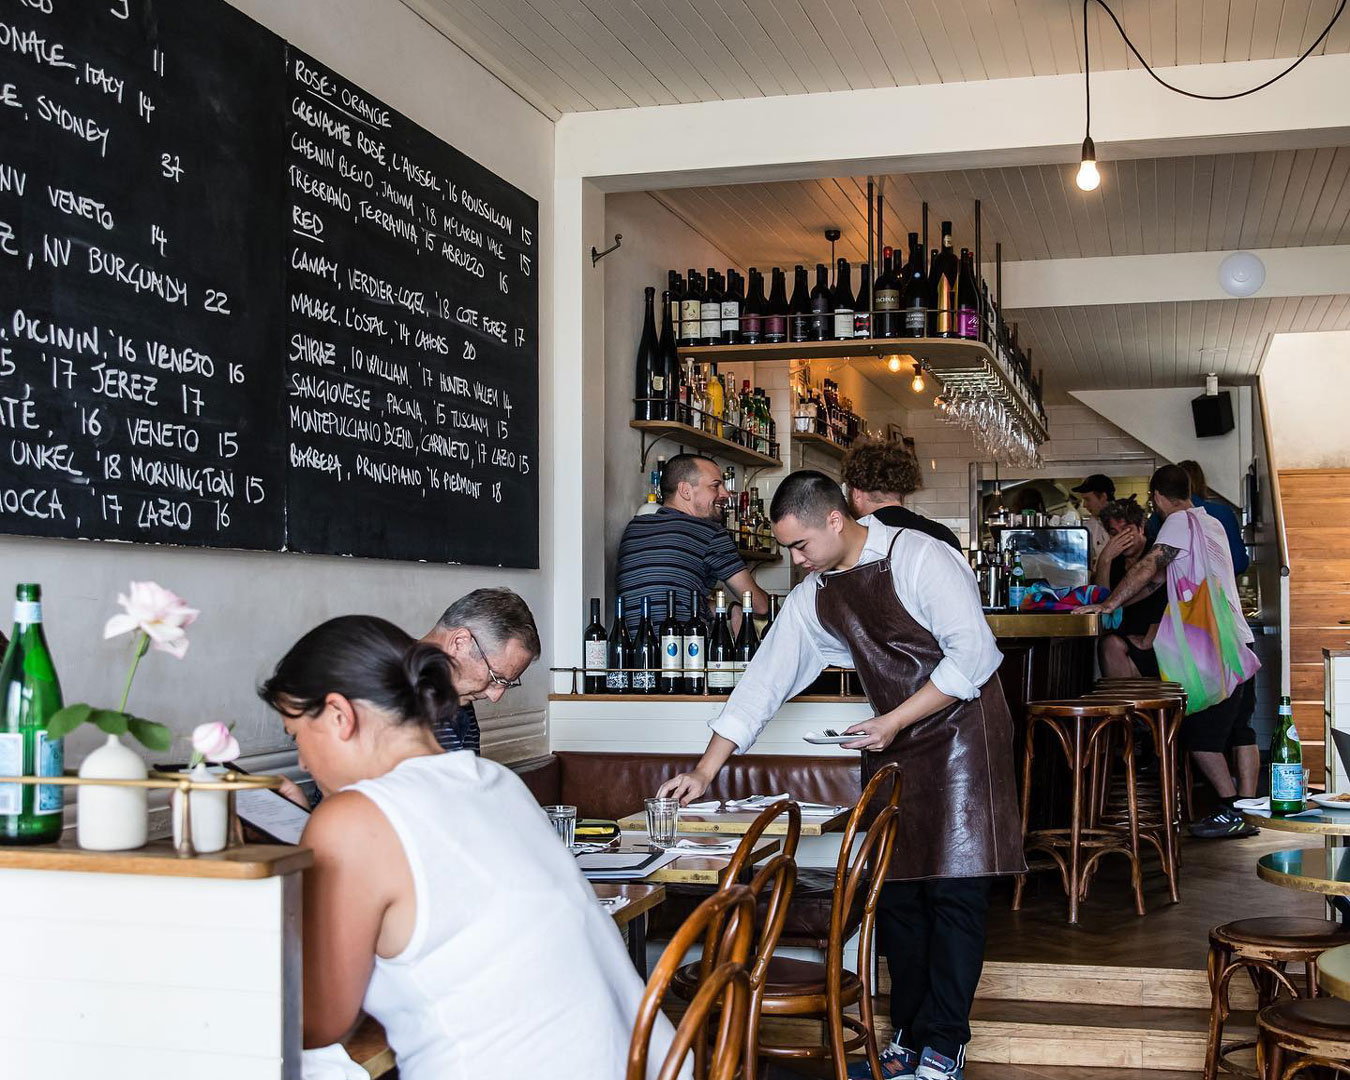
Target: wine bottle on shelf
x,y
942,286
821,325
29,694
752,312
914,292
711,311
731,424
862,315
987,317
799,307
732,300
695,647
967,299
721,650
676,286
618,653
646,653
771,616
670,361
776,310
650,382
691,310
671,642
841,302
747,641
593,652
886,298
716,408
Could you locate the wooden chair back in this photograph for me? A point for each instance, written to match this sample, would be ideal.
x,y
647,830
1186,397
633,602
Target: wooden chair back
x,y
724,993
863,868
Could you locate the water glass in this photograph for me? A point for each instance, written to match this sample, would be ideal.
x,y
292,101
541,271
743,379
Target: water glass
x,y
564,819
663,820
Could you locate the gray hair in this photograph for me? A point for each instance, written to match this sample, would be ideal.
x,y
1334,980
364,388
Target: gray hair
x,y
495,616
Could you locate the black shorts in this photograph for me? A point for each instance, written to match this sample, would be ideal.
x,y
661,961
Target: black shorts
x,y
1145,662
1223,726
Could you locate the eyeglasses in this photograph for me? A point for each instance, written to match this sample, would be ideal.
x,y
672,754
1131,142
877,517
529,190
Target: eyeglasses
x,y
493,677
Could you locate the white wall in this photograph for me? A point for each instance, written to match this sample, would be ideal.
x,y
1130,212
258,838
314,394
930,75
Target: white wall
x,y
1307,383
254,605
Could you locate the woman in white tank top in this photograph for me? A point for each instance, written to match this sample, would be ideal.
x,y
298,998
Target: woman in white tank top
x,y
440,901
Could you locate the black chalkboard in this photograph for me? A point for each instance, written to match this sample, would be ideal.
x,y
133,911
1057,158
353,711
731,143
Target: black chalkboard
x,y
245,304
141,185
412,323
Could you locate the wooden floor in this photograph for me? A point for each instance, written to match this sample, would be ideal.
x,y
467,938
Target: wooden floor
x,y
977,1071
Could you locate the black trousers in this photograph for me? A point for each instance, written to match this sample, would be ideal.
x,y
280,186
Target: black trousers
x,y
933,934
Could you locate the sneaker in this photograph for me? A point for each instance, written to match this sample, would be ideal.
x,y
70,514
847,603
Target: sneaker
x,y
1223,824
897,1063
935,1066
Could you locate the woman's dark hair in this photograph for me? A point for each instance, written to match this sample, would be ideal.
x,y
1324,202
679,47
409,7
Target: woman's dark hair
x,y
1126,510
368,659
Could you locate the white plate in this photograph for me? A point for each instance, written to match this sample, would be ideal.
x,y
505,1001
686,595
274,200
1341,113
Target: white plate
x,y
817,738
1329,801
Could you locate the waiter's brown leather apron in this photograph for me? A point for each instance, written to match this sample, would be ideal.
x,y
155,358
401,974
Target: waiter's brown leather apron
x,y
959,813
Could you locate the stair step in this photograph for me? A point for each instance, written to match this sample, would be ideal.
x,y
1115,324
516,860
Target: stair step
x,y
1154,987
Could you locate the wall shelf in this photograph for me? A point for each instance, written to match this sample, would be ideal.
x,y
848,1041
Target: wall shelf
x,y
819,442
759,556
684,435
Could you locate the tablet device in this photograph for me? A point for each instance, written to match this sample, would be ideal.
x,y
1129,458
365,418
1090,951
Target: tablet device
x,y
267,812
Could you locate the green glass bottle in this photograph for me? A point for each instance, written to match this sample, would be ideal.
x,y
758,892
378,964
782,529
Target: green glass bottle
x,y
29,814
1287,790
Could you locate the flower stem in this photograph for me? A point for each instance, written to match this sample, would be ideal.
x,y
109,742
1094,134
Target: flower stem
x,y
142,647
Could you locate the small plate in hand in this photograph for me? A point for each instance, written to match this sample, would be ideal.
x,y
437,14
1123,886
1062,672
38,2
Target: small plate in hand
x,y
828,737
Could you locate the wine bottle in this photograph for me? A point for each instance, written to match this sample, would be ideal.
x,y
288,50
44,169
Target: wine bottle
x,y
1287,788
676,286
695,646
862,315
711,311
821,325
775,322
717,402
799,307
967,299
747,641
732,300
942,286
841,302
731,421
646,653
650,368
914,292
752,313
886,298
593,652
721,650
771,616
672,649
29,694
691,310
670,362
618,654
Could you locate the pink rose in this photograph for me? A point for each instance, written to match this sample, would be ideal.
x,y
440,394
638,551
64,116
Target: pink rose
x,y
159,613
214,742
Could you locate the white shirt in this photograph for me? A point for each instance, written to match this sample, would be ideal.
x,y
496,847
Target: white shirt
x,y
1097,539
936,586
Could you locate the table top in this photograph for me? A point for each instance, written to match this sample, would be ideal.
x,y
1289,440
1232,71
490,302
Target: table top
x,y
1308,869
641,896
1333,972
738,822
1329,823
695,869
159,859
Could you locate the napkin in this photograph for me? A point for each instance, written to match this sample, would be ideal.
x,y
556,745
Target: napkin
x,y
330,1063
707,849
1261,807
751,802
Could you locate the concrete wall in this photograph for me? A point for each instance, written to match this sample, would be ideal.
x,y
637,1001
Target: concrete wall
x,y
1308,396
255,605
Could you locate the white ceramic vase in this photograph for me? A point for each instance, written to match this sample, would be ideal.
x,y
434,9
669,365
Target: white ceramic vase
x,y
112,818
210,812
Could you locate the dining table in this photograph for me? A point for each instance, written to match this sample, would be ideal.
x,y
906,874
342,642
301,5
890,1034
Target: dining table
x,y
1333,972
737,822
1324,870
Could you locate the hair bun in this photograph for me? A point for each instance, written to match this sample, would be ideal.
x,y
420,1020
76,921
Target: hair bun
x,y
429,689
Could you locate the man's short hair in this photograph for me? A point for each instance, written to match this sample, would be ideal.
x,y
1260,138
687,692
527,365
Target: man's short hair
x,y
1171,481
809,496
495,616
885,467
681,469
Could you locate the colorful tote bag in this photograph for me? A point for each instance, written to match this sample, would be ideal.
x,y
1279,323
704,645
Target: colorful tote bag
x,y
1199,643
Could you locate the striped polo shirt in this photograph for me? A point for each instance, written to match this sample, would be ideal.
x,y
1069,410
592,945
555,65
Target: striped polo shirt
x,y
672,550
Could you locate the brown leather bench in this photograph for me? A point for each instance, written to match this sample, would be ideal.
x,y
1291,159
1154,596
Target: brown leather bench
x,y
610,785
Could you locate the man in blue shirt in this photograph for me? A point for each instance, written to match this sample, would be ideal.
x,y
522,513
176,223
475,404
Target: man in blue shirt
x,y
1220,511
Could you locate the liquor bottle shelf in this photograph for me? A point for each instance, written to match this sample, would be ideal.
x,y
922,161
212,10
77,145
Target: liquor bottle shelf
x,y
685,435
822,443
758,556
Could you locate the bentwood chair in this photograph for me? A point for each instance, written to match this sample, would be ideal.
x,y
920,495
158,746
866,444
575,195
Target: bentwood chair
x,y
728,919
1309,1035
771,886
804,989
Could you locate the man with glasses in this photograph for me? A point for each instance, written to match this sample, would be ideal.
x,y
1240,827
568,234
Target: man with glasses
x,y
490,637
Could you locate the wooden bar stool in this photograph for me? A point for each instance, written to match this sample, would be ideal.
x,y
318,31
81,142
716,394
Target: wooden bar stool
x,y
1262,948
1080,726
1305,1034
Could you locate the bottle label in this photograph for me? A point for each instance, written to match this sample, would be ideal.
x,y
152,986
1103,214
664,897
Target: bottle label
x,y
1286,783
616,682
862,324
594,655
751,328
51,761
775,328
658,385
644,679
721,674
886,300
1015,594
712,320
1291,733
690,317
672,659
27,611
11,764
731,316
693,657
843,324
968,323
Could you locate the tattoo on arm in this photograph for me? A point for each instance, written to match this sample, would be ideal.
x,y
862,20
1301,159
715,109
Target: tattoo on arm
x,y
1163,557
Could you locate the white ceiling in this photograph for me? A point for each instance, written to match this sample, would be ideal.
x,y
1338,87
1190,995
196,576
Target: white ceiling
x,y
579,55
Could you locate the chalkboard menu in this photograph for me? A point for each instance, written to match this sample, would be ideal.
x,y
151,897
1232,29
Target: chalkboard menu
x,y
243,303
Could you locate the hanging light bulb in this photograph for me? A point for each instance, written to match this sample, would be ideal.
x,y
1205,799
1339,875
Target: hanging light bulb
x,y
893,362
1088,177
918,384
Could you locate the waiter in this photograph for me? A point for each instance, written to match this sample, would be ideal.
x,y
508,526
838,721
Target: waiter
x,y
903,609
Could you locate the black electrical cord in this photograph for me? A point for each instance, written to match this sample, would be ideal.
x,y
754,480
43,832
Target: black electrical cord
x,y
1176,89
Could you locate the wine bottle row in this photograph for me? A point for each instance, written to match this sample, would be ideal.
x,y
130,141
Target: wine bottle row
x,y
680,656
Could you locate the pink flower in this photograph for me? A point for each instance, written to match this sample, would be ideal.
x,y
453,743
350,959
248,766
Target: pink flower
x,y
214,742
156,611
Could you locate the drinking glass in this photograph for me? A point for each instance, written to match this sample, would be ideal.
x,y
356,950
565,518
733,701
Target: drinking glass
x,y
663,820
564,819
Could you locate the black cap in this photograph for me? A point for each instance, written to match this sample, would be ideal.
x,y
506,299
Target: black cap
x,y
1104,485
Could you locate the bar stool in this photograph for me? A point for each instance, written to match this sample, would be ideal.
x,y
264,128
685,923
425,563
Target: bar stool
x,y
1304,1034
1261,947
1080,726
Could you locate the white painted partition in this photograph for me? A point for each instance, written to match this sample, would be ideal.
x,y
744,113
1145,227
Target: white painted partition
x,y
144,976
